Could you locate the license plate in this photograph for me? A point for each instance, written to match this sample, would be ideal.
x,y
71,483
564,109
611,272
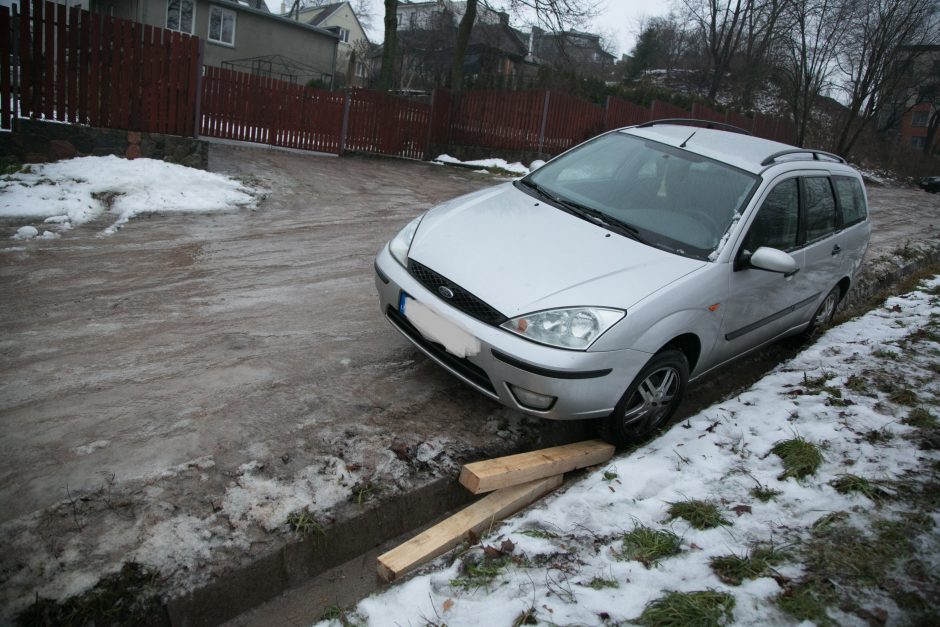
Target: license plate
x,y
433,326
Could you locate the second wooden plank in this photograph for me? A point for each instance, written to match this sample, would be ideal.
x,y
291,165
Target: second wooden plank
x,y
502,472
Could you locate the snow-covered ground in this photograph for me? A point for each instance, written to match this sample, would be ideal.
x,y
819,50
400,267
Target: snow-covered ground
x,y
485,164
565,561
68,193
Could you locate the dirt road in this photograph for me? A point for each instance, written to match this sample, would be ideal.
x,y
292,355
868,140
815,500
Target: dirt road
x,y
142,371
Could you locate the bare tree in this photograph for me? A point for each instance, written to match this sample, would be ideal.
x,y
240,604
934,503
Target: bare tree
x,y
816,32
463,40
882,34
722,24
386,76
762,31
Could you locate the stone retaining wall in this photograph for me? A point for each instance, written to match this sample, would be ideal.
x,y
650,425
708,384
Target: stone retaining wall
x,y
36,141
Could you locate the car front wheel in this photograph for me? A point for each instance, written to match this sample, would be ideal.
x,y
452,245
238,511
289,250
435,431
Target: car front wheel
x,y
650,401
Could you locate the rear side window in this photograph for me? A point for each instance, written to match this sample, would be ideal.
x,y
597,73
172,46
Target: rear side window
x,y
820,208
851,200
777,221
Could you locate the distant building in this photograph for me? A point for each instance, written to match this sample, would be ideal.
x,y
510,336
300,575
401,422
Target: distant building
x,y
427,31
353,66
913,110
241,35
571,49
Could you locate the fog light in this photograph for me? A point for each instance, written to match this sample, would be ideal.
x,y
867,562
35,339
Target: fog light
x,y
530,399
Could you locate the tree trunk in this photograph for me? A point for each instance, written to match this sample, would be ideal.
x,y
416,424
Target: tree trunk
x,y
932,131
386,77
460,48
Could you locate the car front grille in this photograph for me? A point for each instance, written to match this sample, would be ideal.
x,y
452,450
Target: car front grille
x,y
460,365
462,300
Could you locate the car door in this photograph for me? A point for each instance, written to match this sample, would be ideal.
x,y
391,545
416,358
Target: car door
x,y
824,248
856,227
761,305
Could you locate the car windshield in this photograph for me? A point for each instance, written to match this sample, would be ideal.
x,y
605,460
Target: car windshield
x,y
663,196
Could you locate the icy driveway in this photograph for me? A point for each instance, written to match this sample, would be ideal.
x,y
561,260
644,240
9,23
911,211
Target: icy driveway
x,y
142,372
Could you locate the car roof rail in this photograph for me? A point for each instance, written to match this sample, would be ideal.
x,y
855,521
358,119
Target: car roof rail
x,y
693,122
806,151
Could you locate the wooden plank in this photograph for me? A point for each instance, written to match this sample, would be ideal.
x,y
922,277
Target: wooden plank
x,y
25,59
450,532
94,71
493,474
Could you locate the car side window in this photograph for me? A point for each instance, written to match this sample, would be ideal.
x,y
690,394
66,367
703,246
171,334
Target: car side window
x,y
777,222
851,200
820,207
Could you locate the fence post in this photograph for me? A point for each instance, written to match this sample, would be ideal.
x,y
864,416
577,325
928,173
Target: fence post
x,y
197,110
548,96
607,113
427,144
345,127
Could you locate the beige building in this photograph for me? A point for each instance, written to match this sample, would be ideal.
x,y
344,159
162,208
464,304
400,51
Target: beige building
x,y
241,35
353,67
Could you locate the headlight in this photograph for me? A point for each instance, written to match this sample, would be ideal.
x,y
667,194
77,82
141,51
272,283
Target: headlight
x,y
402,242
572,327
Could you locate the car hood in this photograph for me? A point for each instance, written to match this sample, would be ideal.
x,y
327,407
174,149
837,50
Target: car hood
x,y
520,255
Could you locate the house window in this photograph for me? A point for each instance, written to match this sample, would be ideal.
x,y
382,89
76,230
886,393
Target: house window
x,y
360,69
918,143
344,35
221,25
919,118
181,15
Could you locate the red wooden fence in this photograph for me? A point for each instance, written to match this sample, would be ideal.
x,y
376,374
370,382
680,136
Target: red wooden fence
x,y
241,106
622,113
68,65
387,125
87,68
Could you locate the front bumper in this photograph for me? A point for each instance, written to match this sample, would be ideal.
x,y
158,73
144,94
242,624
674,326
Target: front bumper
x,y
585,384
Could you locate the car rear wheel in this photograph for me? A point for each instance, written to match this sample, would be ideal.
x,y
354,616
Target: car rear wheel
x,y
650,401
825,312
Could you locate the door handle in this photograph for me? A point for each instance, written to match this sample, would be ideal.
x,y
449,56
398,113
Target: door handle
x,y
836,250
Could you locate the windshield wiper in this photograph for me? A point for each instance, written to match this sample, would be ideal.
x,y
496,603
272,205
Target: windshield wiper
x,y
600,218
586,213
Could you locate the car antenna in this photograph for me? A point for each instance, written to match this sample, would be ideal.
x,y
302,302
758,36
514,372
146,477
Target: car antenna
x,y
682,145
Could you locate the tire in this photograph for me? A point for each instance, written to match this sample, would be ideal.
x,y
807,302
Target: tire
x,y
824,313
639,414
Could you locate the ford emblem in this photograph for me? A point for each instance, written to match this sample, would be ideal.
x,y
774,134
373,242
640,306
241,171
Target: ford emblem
x,y
446,292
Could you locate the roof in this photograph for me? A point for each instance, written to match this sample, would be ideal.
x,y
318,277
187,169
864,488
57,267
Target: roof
x,y
234,4
741,151
325,11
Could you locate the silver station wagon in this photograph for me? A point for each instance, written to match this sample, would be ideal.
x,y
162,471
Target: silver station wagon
x,y
603,282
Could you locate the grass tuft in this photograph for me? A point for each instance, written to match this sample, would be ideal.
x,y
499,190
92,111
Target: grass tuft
x,y
544,534
704,608
808,600
847,483
699,514
128,597
648,546
920,418
733,569
480,574
599,583
764,493
904,396
303,523
800,457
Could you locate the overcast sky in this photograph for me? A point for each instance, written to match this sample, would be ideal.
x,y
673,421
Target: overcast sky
x,y
618,19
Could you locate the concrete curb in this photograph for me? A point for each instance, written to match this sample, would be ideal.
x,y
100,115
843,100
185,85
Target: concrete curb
x,y
870,285
244,588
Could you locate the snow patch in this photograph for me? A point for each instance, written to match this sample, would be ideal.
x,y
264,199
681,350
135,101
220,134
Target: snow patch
x,y
502,164
90,448
72,192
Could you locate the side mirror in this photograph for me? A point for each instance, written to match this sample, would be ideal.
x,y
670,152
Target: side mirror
x,y
535,165
773,260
